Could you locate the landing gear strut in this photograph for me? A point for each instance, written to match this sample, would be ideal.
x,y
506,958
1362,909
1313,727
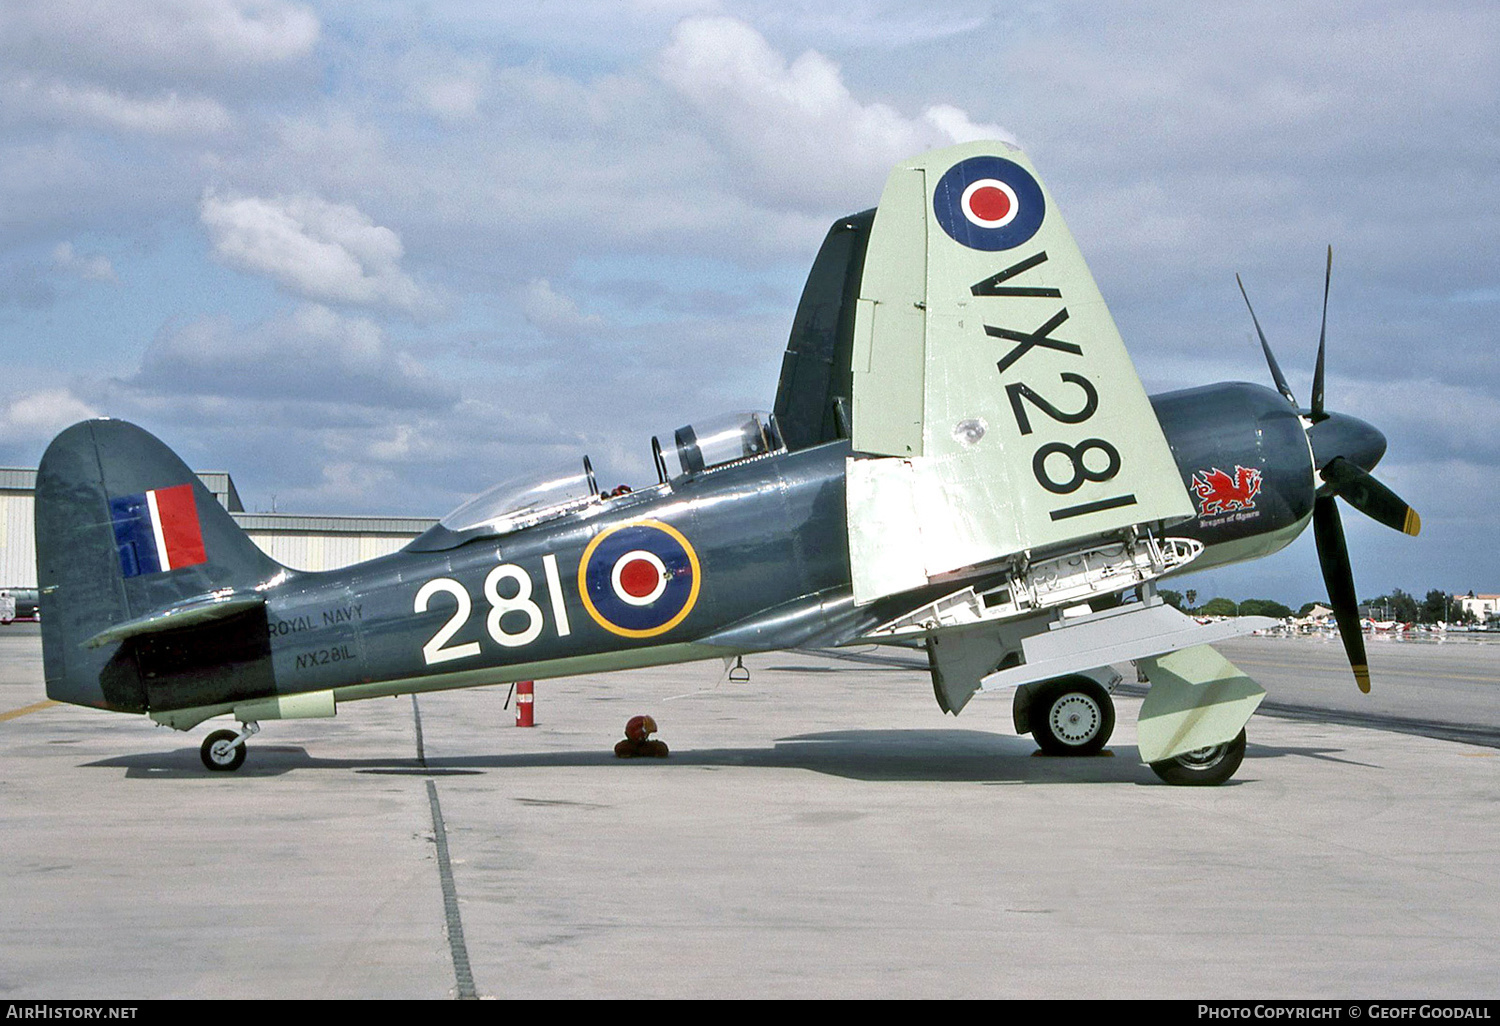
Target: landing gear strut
x,y
1071,716
223,751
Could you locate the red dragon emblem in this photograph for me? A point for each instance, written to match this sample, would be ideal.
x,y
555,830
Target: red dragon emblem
x,y
1220,493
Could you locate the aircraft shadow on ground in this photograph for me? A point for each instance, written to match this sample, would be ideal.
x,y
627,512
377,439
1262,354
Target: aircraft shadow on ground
x,y
1321,754
873,755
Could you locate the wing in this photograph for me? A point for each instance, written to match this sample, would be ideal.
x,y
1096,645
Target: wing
x,y
995,410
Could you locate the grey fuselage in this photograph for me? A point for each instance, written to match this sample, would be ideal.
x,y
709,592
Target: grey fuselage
x,y
772,568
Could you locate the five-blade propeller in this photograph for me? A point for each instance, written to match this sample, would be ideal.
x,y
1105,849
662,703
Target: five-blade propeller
x,y
1345,449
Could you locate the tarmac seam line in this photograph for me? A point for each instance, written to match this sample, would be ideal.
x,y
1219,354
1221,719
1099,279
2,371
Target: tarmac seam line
x,y
416,715
462,972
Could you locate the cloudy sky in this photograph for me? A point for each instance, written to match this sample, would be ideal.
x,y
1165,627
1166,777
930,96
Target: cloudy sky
x,y
374,257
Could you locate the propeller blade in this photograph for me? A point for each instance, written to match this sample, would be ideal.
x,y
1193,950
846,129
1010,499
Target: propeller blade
x,y
1333,557
1317,392
1276,375
1360,490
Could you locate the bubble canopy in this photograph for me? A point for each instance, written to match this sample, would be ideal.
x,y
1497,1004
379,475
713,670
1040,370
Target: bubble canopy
x,y
526,499
513,504
538,496
727,438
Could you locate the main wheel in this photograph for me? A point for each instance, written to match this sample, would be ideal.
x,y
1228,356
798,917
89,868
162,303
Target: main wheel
x,y
1072,716
1205,767
220,754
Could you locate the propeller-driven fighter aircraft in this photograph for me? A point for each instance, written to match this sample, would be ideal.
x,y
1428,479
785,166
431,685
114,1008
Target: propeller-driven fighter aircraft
x,y
961,457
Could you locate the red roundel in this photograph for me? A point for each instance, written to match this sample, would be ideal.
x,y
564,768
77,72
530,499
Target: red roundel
x,y
989,203
638,578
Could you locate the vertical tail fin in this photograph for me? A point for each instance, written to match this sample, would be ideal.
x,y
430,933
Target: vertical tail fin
x,y
126,531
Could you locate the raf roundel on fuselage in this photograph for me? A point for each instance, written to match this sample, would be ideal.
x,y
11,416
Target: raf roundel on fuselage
x,y
639,580
988,203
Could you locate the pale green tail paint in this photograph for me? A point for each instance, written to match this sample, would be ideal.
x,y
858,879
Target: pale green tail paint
x,y
952,381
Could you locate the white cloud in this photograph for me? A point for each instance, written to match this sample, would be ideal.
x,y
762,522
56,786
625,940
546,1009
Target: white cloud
x,y
323,251
165,114
540,168
90,268
313,355
1421,415
342,485
955,124
452,97
795,125
881,24
554,313
157,38
38,283
402,446
450,86
44,413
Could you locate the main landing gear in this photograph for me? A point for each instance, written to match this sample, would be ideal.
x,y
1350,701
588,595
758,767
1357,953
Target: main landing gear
x,y
1076,716
223,751
1205,767
1071,716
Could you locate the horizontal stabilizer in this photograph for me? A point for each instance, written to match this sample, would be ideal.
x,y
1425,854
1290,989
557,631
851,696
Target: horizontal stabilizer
x,y
190,613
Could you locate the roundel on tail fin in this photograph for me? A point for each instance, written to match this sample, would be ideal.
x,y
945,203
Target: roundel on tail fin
x,y
988,203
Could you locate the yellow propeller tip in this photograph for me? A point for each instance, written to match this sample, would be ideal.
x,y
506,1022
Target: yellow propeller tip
x,y
1362,678
1413,525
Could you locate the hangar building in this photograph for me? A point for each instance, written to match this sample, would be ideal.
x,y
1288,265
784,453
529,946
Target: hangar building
x,y
295,540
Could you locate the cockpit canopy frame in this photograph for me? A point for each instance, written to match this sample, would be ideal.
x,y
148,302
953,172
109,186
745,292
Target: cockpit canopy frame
x,y
537,497
514,505
719,442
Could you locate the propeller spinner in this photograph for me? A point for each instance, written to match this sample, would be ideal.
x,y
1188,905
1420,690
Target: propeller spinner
x,y
1345,449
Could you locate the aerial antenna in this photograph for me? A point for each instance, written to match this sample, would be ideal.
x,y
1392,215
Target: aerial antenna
x,y
661,463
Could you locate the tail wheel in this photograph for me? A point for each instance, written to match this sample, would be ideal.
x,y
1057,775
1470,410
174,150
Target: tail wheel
x,y
1205,767
220,753
1072,716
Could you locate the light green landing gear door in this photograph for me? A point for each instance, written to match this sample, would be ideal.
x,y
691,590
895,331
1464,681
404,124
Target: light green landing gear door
x,y
1197,699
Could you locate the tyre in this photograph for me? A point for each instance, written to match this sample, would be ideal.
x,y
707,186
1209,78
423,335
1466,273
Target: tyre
x,y
219,755
1072,716
1206,767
